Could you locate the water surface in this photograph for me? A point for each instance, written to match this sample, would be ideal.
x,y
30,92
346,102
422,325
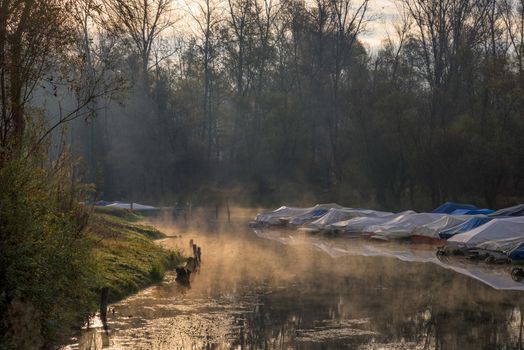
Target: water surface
x,y
284,290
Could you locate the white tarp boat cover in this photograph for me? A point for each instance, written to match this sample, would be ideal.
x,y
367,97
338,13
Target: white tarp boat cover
x,y
496,233
273,217
358,225
335,215
433,228
403,226
312,214
135,206
517,210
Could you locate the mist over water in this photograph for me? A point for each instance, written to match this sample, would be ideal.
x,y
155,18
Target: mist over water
x,y
254,292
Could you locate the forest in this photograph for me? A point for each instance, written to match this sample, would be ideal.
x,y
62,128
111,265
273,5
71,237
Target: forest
x,y
265,101
251,102
268,102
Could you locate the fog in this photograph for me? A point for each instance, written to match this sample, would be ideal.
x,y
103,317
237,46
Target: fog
x,y
255,292
258,104
290,112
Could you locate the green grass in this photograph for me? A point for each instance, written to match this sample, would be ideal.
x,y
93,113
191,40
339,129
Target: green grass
x,y
127,257
125,214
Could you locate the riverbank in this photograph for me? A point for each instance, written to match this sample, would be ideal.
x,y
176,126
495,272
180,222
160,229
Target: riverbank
x,y
127,257
254,292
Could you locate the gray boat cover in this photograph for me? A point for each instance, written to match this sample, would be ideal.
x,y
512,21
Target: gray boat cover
x,y
313,214
433,229
517,210
273,217
403,226
286,214
498,233
336,215
361,224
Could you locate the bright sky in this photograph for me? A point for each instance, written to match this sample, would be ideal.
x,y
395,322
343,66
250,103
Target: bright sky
x,y
385,13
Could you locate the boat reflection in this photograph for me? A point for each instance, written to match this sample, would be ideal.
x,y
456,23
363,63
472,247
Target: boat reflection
x,y
255,293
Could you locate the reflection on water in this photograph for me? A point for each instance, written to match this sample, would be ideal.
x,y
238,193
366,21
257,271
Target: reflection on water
x,y
258,293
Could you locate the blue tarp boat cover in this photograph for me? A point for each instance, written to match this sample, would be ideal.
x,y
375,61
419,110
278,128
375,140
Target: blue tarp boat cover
x,y
517,253
465,226
449,207
517,210
472,212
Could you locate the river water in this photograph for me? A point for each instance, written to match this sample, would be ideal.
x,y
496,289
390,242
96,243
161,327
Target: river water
x,y
286,290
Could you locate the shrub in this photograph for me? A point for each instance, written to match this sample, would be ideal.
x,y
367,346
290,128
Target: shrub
x,y
157,272
47,276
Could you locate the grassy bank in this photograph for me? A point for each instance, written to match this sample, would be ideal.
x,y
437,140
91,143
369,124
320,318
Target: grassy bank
x,y
56,255
126,255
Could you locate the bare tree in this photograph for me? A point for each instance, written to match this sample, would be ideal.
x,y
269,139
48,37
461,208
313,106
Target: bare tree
x,y
140,22
96,75
513,17
34,35
208,17
347,21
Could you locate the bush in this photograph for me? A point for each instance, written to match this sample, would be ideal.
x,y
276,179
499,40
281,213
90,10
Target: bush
x,y
157,272
47,276
172,259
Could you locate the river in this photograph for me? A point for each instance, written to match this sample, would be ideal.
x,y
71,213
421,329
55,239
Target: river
x,y
285,290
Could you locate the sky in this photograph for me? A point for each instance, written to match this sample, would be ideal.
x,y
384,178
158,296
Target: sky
x,y
385,13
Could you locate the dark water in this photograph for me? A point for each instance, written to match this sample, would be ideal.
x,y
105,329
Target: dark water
x,y
261,294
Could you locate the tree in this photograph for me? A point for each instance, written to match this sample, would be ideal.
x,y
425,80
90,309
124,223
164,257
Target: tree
x,y
208,20
33,34
140,23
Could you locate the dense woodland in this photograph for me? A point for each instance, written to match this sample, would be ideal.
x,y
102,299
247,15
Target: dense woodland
x,y
256,102
268,101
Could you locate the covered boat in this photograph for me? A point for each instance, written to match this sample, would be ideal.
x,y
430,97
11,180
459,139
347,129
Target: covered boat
x,y
498,234
278,216
467,225
361,224
517,252
335,215
432,229
517,210
312,214
133,206
450,207
403,226
484,211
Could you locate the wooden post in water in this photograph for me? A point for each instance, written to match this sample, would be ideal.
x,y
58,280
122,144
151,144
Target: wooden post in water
x,y
199,255
195,250
228,211
190,211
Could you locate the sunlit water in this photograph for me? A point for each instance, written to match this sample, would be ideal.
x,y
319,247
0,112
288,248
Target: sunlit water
x,y
284,290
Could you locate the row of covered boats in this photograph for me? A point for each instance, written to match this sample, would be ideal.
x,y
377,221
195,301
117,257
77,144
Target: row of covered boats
x,y
463,228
